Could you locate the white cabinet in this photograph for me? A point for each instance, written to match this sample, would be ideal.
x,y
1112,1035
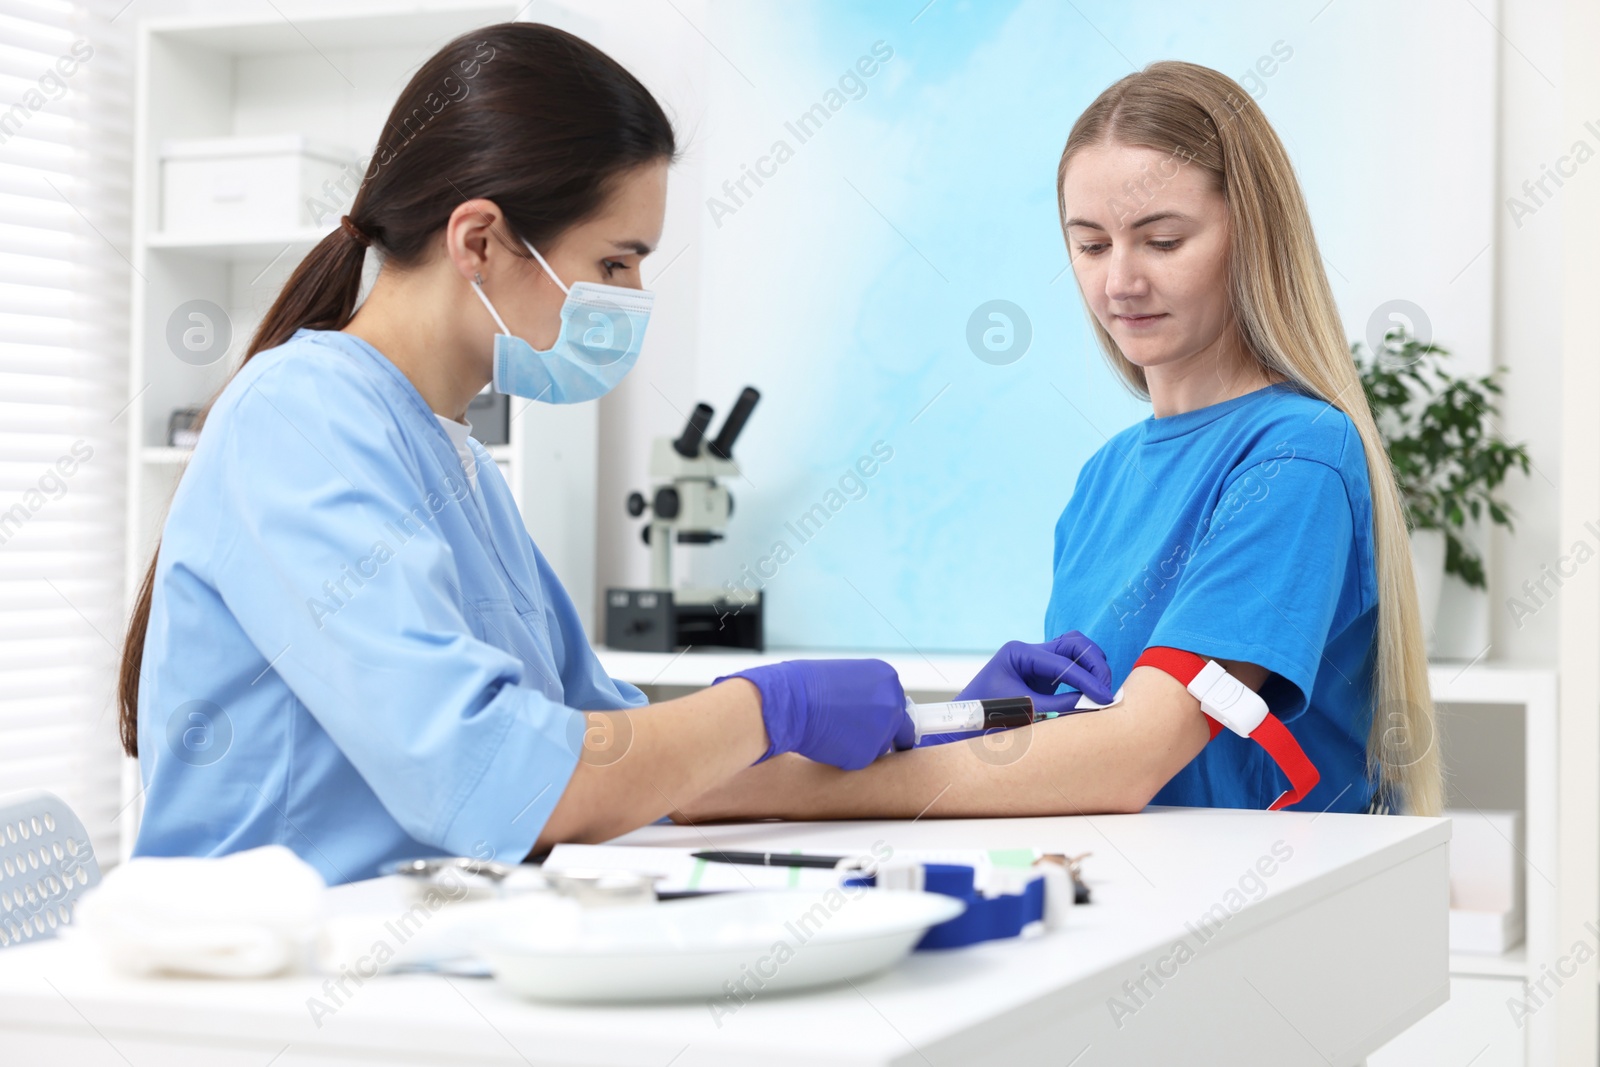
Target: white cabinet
x,y
1474,1027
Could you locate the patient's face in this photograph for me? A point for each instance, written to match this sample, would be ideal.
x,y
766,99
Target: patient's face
x,y
1149,237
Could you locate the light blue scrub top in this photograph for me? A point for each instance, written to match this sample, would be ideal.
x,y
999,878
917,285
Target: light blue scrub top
x,y
1237,531
353,652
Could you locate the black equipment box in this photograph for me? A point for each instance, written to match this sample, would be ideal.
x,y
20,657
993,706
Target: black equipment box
x,y
648,620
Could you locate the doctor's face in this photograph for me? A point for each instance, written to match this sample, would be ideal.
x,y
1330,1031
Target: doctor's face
x,y
608,248
1148,237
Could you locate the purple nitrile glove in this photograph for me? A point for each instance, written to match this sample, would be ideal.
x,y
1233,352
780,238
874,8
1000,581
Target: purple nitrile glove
x,y
844,712
1021,669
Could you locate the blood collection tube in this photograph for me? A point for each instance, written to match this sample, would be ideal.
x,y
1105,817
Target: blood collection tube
x,y
959,716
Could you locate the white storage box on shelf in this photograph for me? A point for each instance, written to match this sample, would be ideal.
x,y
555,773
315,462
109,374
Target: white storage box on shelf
x,y
249,185
1485,882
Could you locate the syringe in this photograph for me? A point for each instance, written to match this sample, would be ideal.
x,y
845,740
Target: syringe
x,y
1001,713
958,716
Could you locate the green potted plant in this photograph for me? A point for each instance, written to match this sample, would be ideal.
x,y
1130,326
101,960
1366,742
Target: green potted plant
x,y
1446,458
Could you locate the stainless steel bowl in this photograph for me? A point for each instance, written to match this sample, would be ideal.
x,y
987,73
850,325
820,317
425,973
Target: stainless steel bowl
x,y
602,888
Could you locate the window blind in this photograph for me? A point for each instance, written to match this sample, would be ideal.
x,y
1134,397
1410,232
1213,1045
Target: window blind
x,y
65,125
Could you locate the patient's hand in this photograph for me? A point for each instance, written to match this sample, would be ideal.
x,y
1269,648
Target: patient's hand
x,y
1037,670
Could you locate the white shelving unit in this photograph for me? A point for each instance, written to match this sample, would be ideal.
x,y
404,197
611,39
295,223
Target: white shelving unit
x,y
157,455
1476,1022
1485,689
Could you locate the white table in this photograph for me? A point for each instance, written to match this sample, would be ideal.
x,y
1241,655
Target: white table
x,y
1339,948
1527,693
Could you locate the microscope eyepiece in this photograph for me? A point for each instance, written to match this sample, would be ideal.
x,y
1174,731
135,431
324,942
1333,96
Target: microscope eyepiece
x,y
694,434
722,447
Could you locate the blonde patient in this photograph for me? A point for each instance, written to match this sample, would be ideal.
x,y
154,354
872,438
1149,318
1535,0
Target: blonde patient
x,y
1253,519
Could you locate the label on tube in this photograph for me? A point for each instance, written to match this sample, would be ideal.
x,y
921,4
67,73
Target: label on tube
x,y
950,718
962,716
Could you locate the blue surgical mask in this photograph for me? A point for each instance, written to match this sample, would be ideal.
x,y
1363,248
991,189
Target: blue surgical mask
x,y
602,329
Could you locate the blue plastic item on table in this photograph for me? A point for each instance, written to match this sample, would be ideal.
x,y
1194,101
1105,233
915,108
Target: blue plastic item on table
x,y
986,918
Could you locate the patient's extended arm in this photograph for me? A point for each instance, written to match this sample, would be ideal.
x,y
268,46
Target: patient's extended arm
x,y
1091,763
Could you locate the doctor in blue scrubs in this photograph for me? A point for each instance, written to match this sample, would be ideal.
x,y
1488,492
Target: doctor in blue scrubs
x,y
1252,520
347,643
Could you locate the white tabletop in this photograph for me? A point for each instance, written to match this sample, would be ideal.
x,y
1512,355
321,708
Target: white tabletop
x,y
1341,944
698,667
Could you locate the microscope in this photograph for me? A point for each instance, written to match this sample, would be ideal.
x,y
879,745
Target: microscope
x,y
687,507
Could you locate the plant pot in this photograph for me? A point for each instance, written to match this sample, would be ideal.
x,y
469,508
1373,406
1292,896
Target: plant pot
x,y
1427,568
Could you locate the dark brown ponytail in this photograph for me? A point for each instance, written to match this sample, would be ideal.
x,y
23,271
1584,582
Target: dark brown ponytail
x,y
531,117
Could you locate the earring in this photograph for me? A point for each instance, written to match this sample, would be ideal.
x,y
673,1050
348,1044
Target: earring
x,y
477,277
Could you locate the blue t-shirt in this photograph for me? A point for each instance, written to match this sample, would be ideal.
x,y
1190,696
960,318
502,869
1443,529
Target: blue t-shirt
x,y
1238,531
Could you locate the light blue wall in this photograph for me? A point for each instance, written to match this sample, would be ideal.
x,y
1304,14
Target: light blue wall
x,y
843,284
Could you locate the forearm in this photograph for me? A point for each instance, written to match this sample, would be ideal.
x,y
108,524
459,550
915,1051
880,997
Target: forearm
x,y
1105,761
638,765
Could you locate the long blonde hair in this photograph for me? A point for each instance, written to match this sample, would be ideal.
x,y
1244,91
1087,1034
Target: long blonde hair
x,y
1288,321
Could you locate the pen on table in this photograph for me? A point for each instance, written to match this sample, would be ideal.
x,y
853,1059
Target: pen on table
x,y
771,859
801,859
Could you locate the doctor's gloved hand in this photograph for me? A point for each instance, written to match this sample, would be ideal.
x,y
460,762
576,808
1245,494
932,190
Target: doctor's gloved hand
x,y
844,712
1020,669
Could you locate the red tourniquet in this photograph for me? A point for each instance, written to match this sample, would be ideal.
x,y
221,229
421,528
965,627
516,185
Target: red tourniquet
x,y
1228,702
